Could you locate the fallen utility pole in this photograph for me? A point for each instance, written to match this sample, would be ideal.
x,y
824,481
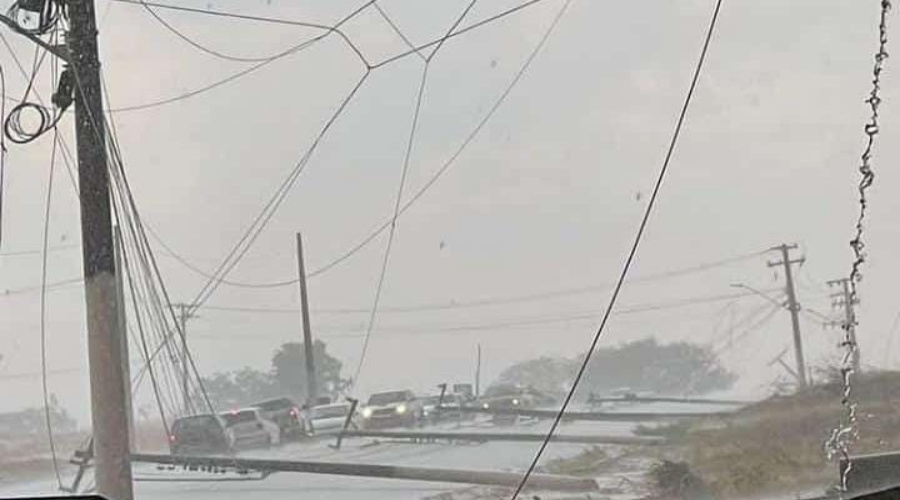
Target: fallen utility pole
x,y
108,384
699,401
483,437
793,306
585,415
307,330
487,478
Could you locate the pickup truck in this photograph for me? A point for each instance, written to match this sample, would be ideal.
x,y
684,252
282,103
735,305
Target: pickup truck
x,y
392,409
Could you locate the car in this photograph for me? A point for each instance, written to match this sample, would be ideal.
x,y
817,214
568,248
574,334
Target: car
x,y
329,419
248,429
435,409
199,435
506,396
286,414
392,409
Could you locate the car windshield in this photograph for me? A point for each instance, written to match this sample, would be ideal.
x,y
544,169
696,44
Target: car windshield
x,y
386,398
331,411
647,249
195,424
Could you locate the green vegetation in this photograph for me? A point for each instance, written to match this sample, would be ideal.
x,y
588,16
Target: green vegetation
x,y
286,378
645,365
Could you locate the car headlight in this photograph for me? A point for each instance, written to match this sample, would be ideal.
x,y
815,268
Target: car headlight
x,y
401,409
367,412
485,406
515,402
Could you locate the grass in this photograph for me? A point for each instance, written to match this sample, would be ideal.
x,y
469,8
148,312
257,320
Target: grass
x,y
774,446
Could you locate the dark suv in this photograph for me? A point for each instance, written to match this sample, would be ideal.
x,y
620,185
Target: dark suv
x,y
199,435
287,414
393,408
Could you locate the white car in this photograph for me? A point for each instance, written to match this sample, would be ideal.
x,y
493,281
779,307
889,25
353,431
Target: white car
x,y
329,419
248,429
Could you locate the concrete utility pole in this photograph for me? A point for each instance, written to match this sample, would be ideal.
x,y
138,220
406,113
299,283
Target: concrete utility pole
x,y
307,330
108,385
793,306
184,314
842,299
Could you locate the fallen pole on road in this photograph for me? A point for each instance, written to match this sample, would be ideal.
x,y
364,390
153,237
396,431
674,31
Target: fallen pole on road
x,y
486,478
590,415
481,437
653,399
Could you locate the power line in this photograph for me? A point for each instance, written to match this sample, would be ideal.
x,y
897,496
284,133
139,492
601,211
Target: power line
x,y
399,197
632,253
304,45
43,322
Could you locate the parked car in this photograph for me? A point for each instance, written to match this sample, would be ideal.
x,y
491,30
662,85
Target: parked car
x,y
330,418
199,435
449,407
249,429
286,414
503,396
391,409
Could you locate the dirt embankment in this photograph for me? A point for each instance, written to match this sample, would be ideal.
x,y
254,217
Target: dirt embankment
x,y
775,446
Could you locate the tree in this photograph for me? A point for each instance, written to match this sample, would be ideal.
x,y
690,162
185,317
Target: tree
x,y
645,365
545,374
240,388
289,370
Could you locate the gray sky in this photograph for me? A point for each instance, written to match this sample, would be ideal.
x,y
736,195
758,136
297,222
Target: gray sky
x,y
546,198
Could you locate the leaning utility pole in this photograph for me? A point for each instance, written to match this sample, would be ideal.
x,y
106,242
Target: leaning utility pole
x,y
307,331
793,306
184,314
108,384
842,299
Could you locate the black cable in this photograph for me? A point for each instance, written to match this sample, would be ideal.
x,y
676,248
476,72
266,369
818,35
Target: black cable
x,y
396,212
3,150
634,247
396,29
43,322
198,45
239,74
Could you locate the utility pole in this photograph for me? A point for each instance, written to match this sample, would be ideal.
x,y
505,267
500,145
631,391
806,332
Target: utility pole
x,y
478,372
184,314
842,299
123,334
793,306
307,331
108,384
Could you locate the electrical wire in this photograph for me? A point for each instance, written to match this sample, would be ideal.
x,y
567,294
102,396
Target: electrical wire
x,y
632,252
396,28
202,48
43,322
306,44
3,152
399,197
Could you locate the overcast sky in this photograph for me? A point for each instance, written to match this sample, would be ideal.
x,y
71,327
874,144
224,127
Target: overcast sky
x,y
546,198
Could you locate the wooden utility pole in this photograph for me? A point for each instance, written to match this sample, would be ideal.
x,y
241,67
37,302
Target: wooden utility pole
x,y
184,314
478,373
842,299
307,330
108,384
793,306
123,334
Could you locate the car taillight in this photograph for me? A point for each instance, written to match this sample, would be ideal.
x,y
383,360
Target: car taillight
x,y
295,412
173,439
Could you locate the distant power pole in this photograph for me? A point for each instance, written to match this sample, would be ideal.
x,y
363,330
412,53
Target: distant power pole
x,y
108,384
184,314
307,330
793,306
842,300
478,373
